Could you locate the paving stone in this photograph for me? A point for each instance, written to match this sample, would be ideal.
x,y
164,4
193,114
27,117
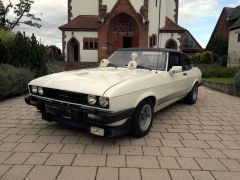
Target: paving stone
x,y
89,160
155,174
202,175
232,154
171,136
191,152
153,142
107,173
110,149
131,150
152,151
226,175
17,158
195,144
12,138
93,149
70,139
210,164
28,138
18,172
231,164
168,163
53,148
7,146
73,148
166,151
37,158
129,174
171,143
4,168
60,159
4,156
43,172
180,175
116,161
214,153
77,173
29,147
188,163
49,139
142,162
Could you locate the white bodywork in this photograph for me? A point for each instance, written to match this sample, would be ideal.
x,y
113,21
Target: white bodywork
x,y
125,87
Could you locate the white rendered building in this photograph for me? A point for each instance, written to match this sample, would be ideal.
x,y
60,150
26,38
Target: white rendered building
x,y
96,28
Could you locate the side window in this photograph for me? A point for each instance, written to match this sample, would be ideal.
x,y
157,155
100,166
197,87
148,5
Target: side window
x,y
186,63
174,60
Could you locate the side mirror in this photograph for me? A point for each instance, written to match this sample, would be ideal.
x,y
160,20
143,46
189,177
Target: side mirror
x,y
104,63
175,69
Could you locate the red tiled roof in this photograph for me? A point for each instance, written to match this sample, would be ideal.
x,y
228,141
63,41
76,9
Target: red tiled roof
x,y
171,26
82,22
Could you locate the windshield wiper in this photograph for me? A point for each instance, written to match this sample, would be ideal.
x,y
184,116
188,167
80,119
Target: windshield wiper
x,y
113,65
142,67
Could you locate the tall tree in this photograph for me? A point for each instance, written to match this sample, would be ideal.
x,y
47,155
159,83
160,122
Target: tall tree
x,y
21,12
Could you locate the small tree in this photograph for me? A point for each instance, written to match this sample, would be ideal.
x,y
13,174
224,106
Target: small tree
x,y
21,12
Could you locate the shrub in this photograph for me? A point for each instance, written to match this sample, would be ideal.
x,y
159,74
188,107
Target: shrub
x,y
237,80
13,81
218,72
7,37
54,66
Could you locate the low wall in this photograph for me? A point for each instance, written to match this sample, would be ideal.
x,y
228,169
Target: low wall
x,y
225,88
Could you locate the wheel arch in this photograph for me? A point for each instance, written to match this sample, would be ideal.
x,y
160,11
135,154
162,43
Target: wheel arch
x,y
149,96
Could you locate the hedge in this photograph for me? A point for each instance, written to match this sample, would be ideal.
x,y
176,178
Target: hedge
x,y
218,72
13,81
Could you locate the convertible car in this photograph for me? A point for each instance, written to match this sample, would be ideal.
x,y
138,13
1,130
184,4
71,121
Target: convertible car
x,y
121,95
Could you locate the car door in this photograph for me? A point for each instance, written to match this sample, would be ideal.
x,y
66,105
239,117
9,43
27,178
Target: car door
x,y
178,82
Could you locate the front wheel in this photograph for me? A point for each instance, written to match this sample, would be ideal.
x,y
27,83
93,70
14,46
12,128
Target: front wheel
x,y
142,119
192,96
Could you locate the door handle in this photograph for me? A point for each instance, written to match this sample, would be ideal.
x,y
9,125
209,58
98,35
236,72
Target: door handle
x,y
184,74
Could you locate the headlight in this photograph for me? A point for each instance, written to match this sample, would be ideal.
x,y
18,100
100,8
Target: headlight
x,y
34,89
40,90
103,101
92,100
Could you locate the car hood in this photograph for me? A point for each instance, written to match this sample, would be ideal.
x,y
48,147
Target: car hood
x,y
88,81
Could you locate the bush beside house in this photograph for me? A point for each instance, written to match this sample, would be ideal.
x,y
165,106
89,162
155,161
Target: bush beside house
x,y
21,60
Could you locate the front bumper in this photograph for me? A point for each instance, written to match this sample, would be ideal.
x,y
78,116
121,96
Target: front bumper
x,y
83,118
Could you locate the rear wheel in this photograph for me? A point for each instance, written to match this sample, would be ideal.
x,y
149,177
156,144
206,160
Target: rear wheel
x,y
142,119
192,96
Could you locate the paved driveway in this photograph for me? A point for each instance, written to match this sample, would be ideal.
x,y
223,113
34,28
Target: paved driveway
x,y
185,142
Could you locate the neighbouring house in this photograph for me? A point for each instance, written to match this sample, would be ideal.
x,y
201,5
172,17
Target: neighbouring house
x,y
96,28
234,38
225,39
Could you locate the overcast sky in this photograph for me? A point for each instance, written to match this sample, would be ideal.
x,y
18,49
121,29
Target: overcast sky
x,y
198,16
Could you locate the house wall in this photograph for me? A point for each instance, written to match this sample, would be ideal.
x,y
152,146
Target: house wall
x,y
110,4
164,37
85,55
234,49
84,7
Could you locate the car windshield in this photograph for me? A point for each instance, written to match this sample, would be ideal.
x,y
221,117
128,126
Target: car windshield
x,y
152,60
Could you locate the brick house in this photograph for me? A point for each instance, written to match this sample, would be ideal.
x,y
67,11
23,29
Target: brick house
x,y
96,28
227,31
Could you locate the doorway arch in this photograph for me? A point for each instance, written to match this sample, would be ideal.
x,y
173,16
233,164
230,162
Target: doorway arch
x,y
123,32
73,49
171,44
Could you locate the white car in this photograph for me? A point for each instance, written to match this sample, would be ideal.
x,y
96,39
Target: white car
x,y
119,96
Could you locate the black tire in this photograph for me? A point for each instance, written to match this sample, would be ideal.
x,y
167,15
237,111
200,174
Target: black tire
x,y
191,98
138,130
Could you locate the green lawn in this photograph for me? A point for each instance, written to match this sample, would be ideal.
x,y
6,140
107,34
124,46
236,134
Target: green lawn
x,y
220,80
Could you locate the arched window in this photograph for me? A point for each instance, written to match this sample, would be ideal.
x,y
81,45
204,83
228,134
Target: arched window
x,y
73,50
171,44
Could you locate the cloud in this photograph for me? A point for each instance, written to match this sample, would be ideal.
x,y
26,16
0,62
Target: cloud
x,y
53,14
190,10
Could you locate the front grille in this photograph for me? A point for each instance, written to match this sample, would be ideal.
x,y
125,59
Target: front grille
x,y
66,96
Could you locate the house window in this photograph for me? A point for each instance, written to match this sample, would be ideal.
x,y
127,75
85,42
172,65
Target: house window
x,y
90,43
238,37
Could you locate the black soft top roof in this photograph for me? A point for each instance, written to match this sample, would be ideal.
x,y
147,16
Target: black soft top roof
x,y
150,49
